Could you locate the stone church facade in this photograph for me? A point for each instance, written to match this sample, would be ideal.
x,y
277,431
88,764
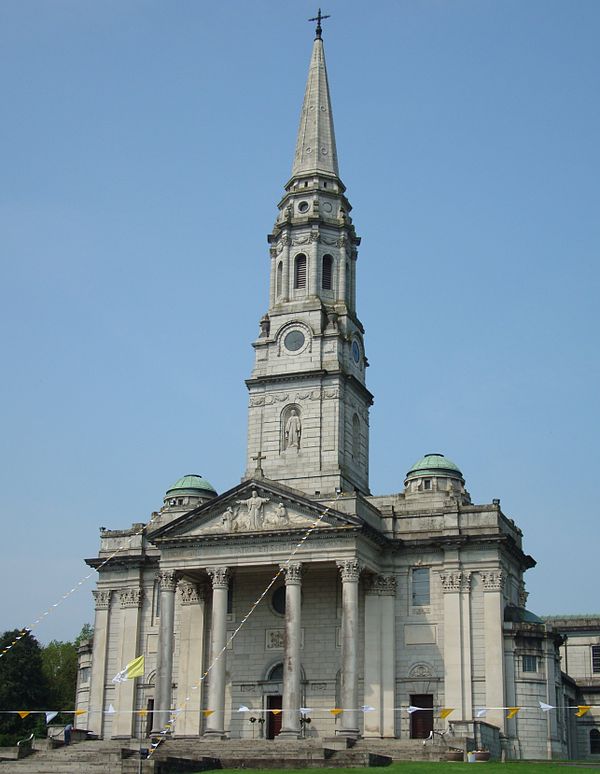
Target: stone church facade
x,y
300,590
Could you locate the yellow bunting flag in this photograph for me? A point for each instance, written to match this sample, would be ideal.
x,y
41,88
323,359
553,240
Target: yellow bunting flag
x,y
446,711
582,709
142,713
206,713
276,711
336,711
512,711
80,712
135,668
22,714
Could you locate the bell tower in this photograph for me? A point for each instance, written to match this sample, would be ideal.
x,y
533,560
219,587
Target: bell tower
x,y
309,405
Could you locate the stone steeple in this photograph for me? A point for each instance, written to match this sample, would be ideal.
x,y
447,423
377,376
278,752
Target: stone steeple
x,y
309,405
315,146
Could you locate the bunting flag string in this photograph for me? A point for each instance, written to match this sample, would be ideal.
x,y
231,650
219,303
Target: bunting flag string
x,y
26,629
442,712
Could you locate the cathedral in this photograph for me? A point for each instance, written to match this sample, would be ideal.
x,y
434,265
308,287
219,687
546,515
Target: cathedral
x,y
299,597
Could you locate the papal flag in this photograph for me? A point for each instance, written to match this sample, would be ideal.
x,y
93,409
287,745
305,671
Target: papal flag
x,y
135,668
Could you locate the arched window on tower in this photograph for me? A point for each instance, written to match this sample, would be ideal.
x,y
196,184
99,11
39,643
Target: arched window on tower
x,y
279,282
347,288
300,272
355,437
327,273
595,741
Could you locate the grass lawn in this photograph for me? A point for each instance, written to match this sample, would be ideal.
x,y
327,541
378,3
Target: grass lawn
x,y
429,767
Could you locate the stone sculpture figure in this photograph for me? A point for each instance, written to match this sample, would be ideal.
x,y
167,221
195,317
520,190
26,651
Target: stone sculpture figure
x,y
254,506
282,514
228,518
293,430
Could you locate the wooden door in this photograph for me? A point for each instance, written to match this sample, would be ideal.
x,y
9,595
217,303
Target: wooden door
x,y
421,721
274,702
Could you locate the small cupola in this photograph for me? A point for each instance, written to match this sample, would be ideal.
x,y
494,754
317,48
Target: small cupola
x,y
435,474
188,492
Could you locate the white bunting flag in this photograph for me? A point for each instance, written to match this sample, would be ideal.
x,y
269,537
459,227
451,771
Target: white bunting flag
x,y
50,716
481,712
546,707
111,710
243,708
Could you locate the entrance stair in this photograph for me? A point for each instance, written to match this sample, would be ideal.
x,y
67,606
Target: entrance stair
x,y
197,754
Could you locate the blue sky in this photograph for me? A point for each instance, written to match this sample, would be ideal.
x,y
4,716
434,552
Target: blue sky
x,y
145,147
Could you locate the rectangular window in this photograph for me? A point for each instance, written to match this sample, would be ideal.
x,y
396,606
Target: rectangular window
x,y
420,586
230,598
530,663
596,659
84,675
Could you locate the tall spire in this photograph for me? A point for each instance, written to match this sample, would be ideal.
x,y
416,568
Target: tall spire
x,y
315,146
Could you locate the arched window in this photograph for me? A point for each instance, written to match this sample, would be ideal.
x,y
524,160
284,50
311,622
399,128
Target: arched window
x,y
279,278
347,288
300,272
355,437
276,673
327,273
595,741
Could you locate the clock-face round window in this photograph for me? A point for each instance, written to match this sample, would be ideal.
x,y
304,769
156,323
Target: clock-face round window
x,y
355,351
294,340
303,207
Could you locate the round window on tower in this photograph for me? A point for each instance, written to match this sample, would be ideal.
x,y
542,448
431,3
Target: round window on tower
x,y
303,207
294,340
355,351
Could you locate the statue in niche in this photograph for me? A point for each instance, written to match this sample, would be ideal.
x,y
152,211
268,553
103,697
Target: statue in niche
x,y
293,431
254,506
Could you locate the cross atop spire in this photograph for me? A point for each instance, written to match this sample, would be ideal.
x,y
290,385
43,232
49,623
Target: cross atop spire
x,y
319,18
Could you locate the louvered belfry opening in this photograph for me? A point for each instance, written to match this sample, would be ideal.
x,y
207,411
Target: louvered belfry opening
x,y
327,273
300,272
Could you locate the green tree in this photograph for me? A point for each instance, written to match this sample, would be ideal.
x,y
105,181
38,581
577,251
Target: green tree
x,y
59,664
23,686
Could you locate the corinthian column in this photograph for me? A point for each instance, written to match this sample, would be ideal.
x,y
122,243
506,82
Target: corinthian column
x,y
350,571
291,664
215,722
493,619
164,664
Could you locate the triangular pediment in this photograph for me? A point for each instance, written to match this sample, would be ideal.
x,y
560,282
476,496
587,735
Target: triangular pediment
x,y
256,506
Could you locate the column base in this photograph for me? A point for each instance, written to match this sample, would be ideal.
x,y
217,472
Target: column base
x,y
214,735
288,735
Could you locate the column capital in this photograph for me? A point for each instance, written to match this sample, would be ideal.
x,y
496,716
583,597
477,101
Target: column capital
x,y
293,573
493,580
350,570
382,585
167,580
455,580
219,576
102,598
131,597
190,593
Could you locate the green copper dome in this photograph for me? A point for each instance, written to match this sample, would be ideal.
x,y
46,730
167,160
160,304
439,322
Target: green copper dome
x,y
432,464
191,484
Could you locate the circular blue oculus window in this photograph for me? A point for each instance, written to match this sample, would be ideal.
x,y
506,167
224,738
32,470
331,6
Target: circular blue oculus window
x,y
355,351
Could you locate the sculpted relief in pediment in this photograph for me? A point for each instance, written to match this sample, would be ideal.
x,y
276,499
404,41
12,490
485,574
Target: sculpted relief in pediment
x,y
255,514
